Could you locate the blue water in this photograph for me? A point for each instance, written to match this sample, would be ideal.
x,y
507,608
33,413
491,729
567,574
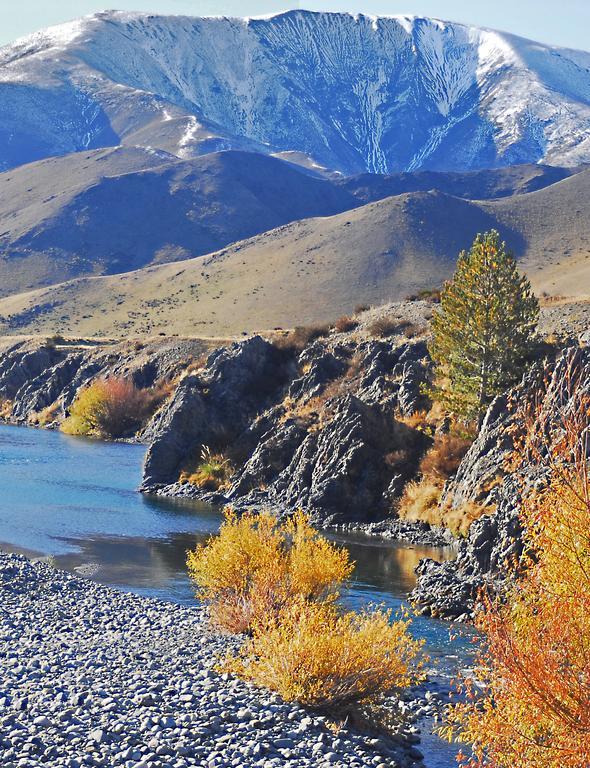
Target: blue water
x,y
75,501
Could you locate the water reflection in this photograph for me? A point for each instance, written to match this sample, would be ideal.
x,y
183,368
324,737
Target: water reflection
x,y
386,565
74,502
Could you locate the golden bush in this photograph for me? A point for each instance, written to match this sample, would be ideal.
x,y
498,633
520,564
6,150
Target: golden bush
x,y
257,565
109,408
321,658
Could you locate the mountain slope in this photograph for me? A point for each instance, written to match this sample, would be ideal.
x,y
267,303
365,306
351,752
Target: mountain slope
x,y
314,270
115,210
108,211
334,87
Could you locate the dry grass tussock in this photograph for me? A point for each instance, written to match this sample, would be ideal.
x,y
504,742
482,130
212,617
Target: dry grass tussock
x,y
5,408
383,327
443,458
421,503
421,499
296,340
211,471
345,324
48,415
257,565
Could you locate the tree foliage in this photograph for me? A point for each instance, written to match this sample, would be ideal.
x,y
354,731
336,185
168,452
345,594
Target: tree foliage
x,y
483,330
256,565
534,664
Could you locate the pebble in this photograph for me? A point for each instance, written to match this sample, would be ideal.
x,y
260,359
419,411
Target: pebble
x,y
92,678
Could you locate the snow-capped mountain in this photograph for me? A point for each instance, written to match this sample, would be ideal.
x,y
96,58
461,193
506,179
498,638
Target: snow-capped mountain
x,y
353,93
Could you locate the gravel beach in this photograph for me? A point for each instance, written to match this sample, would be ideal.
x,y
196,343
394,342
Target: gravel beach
x,y
90,676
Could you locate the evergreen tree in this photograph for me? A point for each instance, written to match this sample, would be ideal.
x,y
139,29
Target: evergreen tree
x,y
484,329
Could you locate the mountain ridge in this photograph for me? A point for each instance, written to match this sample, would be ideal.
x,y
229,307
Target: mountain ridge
x,y
114,210
333,86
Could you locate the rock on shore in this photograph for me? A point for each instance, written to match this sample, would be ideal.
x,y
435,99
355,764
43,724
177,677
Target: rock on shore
x,y
495,543
90,676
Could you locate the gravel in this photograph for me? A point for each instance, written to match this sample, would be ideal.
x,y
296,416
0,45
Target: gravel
x,y
90,676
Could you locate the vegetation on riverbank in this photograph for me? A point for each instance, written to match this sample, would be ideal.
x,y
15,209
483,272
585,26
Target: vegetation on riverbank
x,y
324,658
256,566
110,408
280,583
210,472
534,663
421,499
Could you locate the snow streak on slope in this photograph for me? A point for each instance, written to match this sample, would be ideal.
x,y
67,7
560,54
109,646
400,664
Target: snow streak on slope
x,y
354,93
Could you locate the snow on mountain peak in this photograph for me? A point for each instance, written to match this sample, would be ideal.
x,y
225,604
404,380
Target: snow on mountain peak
x,y
353,92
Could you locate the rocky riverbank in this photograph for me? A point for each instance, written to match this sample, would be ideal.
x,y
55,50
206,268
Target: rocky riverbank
x,y
329,420
90,676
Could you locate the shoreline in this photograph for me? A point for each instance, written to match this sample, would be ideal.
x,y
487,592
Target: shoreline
x,y
95,676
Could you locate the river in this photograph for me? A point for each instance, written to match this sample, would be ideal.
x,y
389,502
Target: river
x,y
74,501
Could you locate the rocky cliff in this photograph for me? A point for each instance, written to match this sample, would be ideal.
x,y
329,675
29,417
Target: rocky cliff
x,y
494,545
318,428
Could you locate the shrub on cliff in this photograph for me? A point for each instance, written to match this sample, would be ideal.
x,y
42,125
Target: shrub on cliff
x,y
256,566
324,659
211,472
420,501
534,662
483,332
109,408
345,324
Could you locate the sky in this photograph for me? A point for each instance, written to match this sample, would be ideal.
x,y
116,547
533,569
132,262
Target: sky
x,y
559,22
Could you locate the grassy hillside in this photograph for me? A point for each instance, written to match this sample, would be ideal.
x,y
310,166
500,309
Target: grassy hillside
x,y
315,270
111,211
115,210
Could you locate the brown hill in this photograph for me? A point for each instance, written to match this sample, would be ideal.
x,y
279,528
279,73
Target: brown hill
x,y
115,210
314,270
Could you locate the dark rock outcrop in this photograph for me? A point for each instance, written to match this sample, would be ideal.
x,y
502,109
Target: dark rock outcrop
x,y
316,436
212,409
486,558
488,555
20,366
339,474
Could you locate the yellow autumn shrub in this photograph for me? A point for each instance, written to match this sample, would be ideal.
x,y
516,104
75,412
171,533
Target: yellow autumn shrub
x,y
257,565
313,654
109,408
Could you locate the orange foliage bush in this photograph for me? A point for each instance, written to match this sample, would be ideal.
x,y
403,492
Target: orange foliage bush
x,y
534,662
256,566
443,458
109,408
315,655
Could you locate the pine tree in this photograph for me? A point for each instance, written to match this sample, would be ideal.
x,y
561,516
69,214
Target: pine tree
x,y
484,329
